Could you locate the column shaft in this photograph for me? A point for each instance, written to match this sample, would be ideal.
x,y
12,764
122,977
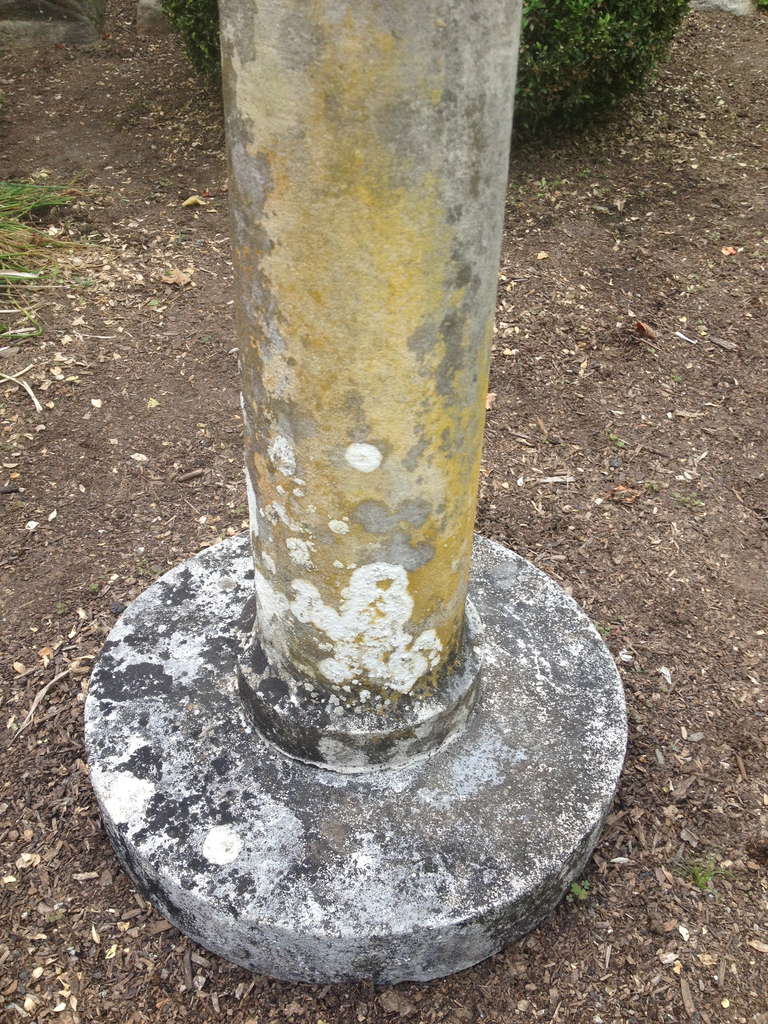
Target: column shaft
x,y
368,145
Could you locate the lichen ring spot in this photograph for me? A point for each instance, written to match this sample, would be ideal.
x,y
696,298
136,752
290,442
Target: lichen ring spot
x,y
222,845
363,457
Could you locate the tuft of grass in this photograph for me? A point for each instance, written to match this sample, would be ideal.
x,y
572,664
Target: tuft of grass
x,y
700,872
687,500
24,247
25,252
20,198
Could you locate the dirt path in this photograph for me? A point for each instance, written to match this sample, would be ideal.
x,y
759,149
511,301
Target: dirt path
x,y
626,456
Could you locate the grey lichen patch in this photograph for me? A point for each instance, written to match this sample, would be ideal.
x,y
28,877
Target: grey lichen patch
x,y
414,510
374,516
414,454
377,517
401,551
457,356
301,41
422,342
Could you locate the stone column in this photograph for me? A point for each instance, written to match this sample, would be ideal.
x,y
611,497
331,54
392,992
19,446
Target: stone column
x,y
359,744
368,147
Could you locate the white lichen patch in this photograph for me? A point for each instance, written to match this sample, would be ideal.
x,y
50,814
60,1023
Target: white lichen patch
x,y
282,455
338,526
300,551
363,457
125,796
269,562
368,631
222,845
272,605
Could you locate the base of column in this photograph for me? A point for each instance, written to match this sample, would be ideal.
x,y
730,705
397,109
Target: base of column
x,y
306,874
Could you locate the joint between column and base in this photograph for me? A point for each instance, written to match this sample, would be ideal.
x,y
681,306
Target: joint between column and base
x,y
315,724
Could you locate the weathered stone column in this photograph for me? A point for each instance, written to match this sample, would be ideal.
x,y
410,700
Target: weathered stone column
x,y
368,147
363,745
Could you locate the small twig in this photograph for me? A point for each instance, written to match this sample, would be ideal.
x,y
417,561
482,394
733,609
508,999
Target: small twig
x,y
192,474
729,346
38,697
186,963
11,489
20,373
555,480
17,332
13,379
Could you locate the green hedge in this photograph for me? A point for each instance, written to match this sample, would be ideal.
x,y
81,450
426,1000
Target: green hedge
x,y
578,56
197,22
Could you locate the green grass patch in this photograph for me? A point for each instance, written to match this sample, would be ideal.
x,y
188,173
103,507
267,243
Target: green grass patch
x,y
700,873
24,247
26,251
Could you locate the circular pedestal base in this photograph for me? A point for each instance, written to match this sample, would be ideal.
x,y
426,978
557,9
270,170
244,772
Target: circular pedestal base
x,y
307,874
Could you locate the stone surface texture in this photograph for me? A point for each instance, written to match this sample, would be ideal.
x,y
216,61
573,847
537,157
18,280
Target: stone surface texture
x,y
151,19
48,22
732,6
368,146
303,873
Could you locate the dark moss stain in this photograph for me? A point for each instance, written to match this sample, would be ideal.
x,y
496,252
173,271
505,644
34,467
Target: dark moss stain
x,y
221,765
452,334
133,680
219,650
144,763
258,658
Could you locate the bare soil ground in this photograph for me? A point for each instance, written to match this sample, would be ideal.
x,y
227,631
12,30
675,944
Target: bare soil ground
x,y
626,456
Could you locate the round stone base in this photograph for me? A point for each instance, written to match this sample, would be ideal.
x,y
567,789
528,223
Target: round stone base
x,y
306,874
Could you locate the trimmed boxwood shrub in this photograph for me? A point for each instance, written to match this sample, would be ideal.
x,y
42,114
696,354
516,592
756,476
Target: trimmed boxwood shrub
x,y
581,56
197,22
578,56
